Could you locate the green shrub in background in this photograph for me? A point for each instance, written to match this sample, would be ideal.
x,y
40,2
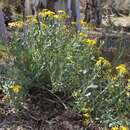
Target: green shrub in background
x,y
52,55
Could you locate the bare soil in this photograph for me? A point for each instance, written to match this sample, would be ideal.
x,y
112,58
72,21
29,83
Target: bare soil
x,y
41,111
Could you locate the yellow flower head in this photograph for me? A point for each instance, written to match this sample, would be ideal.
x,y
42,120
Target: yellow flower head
x,y
123,128
83,23
86,116
16,88
90,42
121,69
115,128
83,35
102,61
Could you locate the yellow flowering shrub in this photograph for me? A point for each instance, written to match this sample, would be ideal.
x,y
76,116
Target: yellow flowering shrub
x,y
71,62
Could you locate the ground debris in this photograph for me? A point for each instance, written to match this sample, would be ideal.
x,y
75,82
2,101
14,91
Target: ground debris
x,y
40,114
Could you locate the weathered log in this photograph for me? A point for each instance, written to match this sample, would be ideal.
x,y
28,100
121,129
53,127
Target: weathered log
x,y
101,33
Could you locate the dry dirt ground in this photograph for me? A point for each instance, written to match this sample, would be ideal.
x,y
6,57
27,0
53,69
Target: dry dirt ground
x,y
41,113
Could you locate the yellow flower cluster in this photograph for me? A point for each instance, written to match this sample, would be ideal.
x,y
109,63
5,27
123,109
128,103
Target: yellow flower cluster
x,y
47,13
83,35
120,128
124,128
102,61
86,115
16,88
121,69
17,24
115,128
90,42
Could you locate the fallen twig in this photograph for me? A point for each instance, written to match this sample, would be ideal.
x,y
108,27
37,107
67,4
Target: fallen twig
x,y
59,99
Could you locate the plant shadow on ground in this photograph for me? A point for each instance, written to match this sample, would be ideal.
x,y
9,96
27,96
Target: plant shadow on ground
x,y
41,113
